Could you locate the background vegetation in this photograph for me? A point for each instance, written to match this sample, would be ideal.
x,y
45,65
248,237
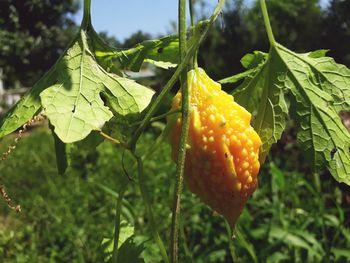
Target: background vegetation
x,y
294,216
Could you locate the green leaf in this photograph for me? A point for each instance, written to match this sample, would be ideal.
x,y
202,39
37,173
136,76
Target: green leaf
x,y
318,89
318,53
253,60
289,238
244,243
341,253
131,251
237,77
132,248
264,95
27,107
61,154
298,239
277,257
125,243
161,52
74,104
126,231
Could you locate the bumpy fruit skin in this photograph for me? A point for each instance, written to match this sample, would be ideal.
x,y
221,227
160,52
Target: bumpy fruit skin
x,y
222,163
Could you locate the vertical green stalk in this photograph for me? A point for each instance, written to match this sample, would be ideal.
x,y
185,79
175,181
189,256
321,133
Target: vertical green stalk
x,y
267,23
195,62
86,14
146,199
117,224
175,223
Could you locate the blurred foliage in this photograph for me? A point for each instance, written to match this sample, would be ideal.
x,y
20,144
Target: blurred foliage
x,y
336,30
33,34
292,217
110,40
135,38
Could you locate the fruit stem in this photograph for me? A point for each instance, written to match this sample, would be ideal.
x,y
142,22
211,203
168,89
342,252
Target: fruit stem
x,y
267,23
175,222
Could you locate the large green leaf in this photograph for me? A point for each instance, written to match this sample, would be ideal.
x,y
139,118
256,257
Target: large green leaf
x,y
74,104
72,92
319,89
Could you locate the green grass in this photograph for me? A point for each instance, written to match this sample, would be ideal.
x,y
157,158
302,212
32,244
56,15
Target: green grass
x,y
292,217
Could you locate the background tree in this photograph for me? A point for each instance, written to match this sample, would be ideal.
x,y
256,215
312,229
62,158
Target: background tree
x,y
32,36
135,38
110,40
336,30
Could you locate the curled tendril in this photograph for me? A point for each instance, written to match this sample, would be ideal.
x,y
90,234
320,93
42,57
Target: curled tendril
x,y
8,200
9,150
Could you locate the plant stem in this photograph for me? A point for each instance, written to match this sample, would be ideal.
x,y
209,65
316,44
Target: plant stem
x,y
267,23
195,62
87,14
111,139
198,39
175,222
146,199
182,30
117,224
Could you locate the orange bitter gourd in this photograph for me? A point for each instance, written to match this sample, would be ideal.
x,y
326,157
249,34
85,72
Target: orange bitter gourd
x,y
222,154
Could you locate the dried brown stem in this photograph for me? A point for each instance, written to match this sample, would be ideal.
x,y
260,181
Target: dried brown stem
x,y
9,150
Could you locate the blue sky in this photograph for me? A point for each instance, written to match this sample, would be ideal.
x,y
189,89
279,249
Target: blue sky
x,y
121,18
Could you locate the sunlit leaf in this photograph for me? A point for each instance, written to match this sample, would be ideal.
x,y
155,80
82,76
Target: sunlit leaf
x,y
74,104
318,89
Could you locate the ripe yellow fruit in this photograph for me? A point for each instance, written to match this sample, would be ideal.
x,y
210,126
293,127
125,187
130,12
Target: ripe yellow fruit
x,y
222,162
